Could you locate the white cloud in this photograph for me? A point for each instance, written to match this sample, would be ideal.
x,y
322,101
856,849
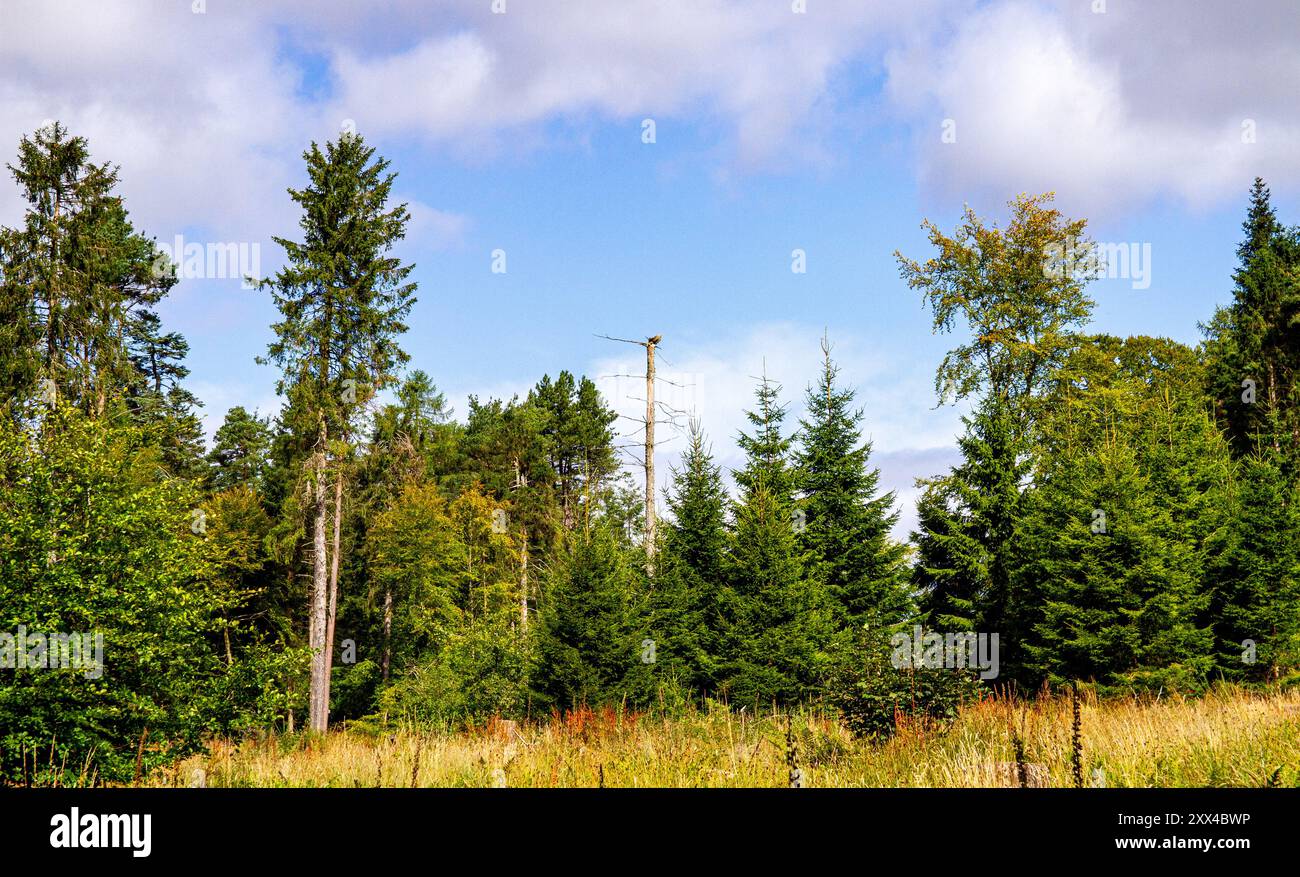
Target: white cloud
x,y
208,114
431,228
760,68
1110,110
195,108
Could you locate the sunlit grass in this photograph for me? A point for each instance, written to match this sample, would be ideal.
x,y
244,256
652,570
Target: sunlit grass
x,y
1227,738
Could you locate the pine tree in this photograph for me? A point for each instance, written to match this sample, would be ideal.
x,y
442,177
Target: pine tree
x,y
847,523
342,299
593,626
776,620
579,440
76,280
239,455
1129,483
767,451
1253,345
689,578
697,501
1255,574
1114,595
967,519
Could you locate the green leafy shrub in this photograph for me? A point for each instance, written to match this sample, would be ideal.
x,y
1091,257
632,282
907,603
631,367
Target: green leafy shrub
x,y
873,695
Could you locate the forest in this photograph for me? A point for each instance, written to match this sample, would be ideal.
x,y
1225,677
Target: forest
x,y
1125,513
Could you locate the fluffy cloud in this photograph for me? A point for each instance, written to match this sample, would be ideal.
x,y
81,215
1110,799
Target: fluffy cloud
x,y
196,109
207,113
1111,109
762,68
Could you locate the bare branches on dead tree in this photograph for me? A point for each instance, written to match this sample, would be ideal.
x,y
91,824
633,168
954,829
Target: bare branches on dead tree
x,y
653,411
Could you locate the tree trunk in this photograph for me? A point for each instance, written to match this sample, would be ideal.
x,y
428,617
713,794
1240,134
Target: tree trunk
x,y
334,574
523,583
1272,405
521,481
318,701
388,631
51,294
650,455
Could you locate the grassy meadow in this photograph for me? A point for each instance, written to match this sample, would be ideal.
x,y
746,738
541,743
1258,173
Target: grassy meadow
x,y
1230,737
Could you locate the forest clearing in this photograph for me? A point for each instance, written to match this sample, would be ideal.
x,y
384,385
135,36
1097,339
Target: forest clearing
x,y
1230,737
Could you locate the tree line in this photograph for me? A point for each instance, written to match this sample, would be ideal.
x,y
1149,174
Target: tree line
x,y
1123,510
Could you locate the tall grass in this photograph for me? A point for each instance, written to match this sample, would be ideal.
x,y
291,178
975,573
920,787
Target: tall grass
x,y
1229,737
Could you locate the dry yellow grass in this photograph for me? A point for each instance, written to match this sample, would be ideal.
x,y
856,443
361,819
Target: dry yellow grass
x,y
1227,738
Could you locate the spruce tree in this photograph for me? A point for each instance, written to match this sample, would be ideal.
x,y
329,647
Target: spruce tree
x,y
689,578
846,521
240,450
1253,345
342,299
767,451
967,519
1255,574
77,281
1111,543
776,620
593,626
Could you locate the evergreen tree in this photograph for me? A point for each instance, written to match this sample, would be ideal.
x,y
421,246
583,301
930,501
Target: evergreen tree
x,y
691,567
579,440
1112,541
1253,345
967,520
505,452
239,455
76,280
846,524
157,399
593,627
767,451
342,299
776,621
1255,574
1116,597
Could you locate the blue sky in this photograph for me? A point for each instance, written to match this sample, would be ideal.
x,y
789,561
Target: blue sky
x,y
774,131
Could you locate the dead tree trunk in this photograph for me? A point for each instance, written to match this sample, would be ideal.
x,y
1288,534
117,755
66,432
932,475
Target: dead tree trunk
x,y
521,481
523,583
334,575
649,460
318,701
650,452
388,630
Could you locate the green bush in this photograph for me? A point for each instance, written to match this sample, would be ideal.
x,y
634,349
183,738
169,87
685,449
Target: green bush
x,y
873,695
